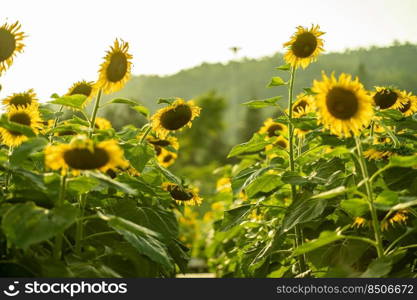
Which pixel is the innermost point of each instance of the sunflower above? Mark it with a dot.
(359, 222)
(174, 117)
(182, 195)
(388, 98)
(23, 116)
(115, 70)
(400, 217)
(280, 143)
(24, 99)
(83, 87)
(272, 129)
(409, 104)
(343, 105)
(10, 44)
(166, 158)
(375, 154)
(83, 154)
(224, 184)
(301, 107)
(169, 141)
(304, 47)
(102, 124)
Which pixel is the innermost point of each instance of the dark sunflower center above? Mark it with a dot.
(7, 44)
(273, 130)
(82, 89)
(385, 98)
(300, 106)
(179, 194)
(282, 144)
(177, 117)
(83, 159)
(20, 118)
(117, 68)
(168, 158)
(162, 143)
(341, 103)
(21, 100)
(406, 107)
(304, 45)
(66, 132)
(158, 150)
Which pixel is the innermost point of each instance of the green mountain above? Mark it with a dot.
(246, 79)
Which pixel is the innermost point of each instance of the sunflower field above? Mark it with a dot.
(327, 188)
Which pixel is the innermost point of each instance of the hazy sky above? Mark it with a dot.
(67, 39)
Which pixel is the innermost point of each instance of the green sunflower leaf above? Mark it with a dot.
(122, 101)
(27, 148)
(263, 103)
(143, 110)
(25, 223)
(235, 216)
(256, 143)
(147, 242)
(276, 81)
(73, 101)
(325, 238)
(285, 67)
(166, 100)
(403, 161)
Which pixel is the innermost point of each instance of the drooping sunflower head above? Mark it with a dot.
(174, 117)
(399, 218)
(304, 46)
(102, 124)
(409, 107)
(115, 71)
(187, 196)
(83, 87)
(24, 99)
(272, 129)
(10, 44)
(359, 222)
(388, 98)
(375, 154)
(383, 151)
(169, 141)
(343, 106)
(23, 116)
(82, 154)
(166, 158)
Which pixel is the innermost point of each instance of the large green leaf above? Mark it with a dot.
(276, 81)
(82, 184)
(139, 155)
(256, 143)
(265, 183)
(263, 103)
(302, 211)
(112, 183)
(325, 238)
(26, 149)
(235, 216)
(356, 207)
(145, 241)
(73, 101)
(378, 268)
(403, 161)
(26, 224)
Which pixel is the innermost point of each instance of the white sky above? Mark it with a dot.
(67, 39)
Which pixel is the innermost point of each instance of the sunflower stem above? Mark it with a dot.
(298, 231)
(369, 191)
(94, 114)
(148, 130)
(55, 123)
(59, 237)
(79, 226)
(9, 172)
